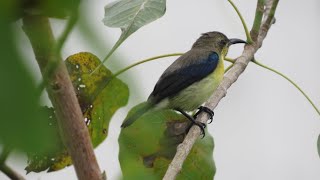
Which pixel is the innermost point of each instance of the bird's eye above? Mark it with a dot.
(222, 42)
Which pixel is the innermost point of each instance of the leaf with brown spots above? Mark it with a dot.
(99, 95)
(148, 146)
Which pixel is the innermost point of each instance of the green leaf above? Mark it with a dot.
(99, 95)
(130, 15)
(54, 156)
(148, 146)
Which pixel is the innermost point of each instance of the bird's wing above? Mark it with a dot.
(173, 82)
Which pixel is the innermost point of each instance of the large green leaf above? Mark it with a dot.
(99, 96)
(148, 146)
(130, 15)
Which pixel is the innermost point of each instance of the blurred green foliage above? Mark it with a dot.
(14, 9)
(21, 121)
(148, 146)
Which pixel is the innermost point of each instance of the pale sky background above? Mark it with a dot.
(264, 129)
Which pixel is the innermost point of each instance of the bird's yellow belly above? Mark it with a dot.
(196, 94)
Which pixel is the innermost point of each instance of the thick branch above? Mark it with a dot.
(61, 93)
(232, 75)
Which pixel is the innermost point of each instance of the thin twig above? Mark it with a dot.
(5, 168)
(291, 81)
(285, 77)
(232, 75)
(143, 61)
(10, 172)
(249, 39)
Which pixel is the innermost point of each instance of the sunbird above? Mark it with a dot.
(190, 80)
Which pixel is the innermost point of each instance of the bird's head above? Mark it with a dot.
(216, 41)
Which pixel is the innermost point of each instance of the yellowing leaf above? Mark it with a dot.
(99, 95)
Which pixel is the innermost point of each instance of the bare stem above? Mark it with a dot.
(231, 76)
(257, 20)
(291, 81)
(143, 61)
(5, 168)
(249, 40)
(73, 130)
(285, 77)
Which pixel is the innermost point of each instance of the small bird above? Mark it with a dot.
(190, 80)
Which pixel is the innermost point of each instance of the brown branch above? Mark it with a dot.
(71, 123)
(232, 75)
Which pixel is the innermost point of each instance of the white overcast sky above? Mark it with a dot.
(264, 129)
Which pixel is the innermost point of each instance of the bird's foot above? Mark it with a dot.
(206, 110)
(201, 125)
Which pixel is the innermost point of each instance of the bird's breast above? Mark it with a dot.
(197, 93)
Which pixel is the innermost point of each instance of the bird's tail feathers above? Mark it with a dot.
(132, 117)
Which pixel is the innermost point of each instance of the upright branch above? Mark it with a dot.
(231, 76)
(257, 20)
(73, 130)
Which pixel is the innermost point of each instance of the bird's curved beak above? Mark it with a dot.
(236, 41)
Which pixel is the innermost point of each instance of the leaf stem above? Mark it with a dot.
(70, 24)
(229, 60)
(292, 82)
(228, 68)
(249, 40)
(143, 61)
(284, 76)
